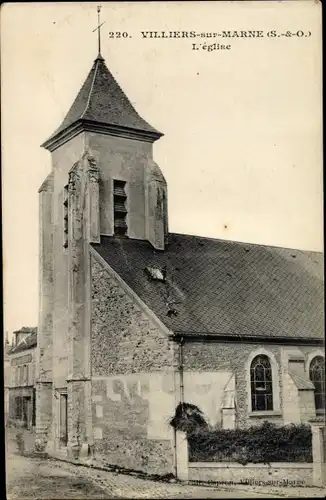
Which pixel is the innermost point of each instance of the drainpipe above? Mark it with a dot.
(181, 370)
(181, 399)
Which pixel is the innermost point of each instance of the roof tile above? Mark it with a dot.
(28, 343)
(224, 287)
(102, 100)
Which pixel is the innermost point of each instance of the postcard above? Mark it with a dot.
(163, 249)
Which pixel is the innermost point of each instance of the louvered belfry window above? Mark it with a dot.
(120, 210)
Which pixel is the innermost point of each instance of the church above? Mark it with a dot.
(134, 319)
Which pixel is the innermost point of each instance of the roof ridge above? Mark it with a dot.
(239, 242)
(91, 89)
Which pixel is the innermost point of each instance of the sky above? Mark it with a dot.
(242, 144)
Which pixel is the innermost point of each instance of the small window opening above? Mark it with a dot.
(119, 207)
(65, 217)
(156, 274)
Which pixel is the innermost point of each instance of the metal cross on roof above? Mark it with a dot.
(98, 28)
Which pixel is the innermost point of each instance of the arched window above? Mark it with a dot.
(261, 384)
(317, 377)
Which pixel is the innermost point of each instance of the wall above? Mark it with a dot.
(130, 420)
(21, 392)
(20, 359)
(22, 384)
(230, 357)
(294, 474)
(291, 401)
(124, 159)
(222, 358)
(206, 390)
(63, 159)
(298, 390)
(130, 160)
(6, 380)
(44, 350)
(52, 366)
(132, 380)
(124, 339)
(307, 405)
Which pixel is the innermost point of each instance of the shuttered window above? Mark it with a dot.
(119, 208)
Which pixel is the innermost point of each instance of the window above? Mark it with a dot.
(65, 217)
(261, 384)
(317, 377)
(19, 376)
(18, 408)
(119, 208)
(25, 375)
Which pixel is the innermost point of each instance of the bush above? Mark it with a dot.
(264, 444)
(188, 418)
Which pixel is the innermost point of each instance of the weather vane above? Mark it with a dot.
(98, 28)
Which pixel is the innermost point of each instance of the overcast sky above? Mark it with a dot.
(242, 146)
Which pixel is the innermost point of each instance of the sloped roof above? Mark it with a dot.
(102, 100)
(301, 382)
(26, 329)
(224, 287)
(27, 343)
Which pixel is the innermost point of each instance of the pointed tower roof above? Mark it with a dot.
(102, 106)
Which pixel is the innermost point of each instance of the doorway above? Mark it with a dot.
(63, 419)
(26, 412)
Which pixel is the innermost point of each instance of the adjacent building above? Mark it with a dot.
(135, 319)
(6, 377)
(21, 359)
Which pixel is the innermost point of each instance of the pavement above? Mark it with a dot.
(31, 477)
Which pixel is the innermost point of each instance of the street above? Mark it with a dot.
(32, 477)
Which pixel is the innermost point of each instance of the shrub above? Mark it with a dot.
(264, 444)
(188, 418)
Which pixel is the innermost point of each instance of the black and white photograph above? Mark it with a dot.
(162, 208)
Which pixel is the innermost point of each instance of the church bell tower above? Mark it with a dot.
(103, 181)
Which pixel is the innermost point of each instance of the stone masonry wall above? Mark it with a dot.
(130, 419)
(132, 380)
(232, 357)
(63, 159)
(124, 340)
(123, 159)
